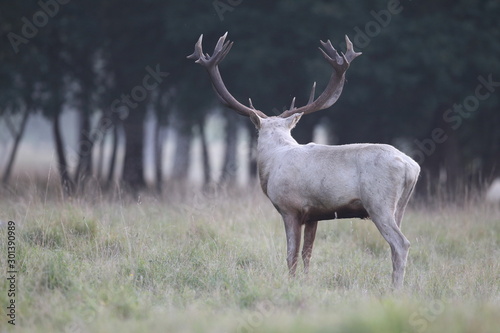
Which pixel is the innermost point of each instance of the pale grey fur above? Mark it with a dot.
(300, 179)
(308, 183)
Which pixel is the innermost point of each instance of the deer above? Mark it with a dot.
(314, 182)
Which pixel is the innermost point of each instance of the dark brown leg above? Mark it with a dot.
(309, 235)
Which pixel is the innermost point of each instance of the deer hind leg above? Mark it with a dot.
(309, 235)
(293, 232)
(403, 200)
(387, 226)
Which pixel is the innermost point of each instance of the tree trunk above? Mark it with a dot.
(158, 144)
(230, 166)
(161, 103)
(207, 172)
(252, 153)
(66, 181)
(442, 170)
(100, 158)
(491, 157)
(114, 150)
(133, 168)
(182, 155)
(85, 147)
(17, 139)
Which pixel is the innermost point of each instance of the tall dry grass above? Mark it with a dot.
(215, 262)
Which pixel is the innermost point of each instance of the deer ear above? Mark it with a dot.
(256, 120)
(293, 120)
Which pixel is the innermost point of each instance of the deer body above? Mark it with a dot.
(309, 183)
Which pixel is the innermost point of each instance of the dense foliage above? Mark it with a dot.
(428, 80)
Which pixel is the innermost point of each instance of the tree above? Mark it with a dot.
(17, 134)
(118, 58)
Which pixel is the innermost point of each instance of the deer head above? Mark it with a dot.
(339, 62)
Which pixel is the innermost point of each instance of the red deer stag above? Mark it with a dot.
(313, 182)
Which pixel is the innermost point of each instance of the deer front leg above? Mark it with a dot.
(309, 235)
(293, 233)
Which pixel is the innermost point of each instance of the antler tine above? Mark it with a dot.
(221, 49)
(340, 64)
(250, 103)
(313, 91)
(350, 55)
(198, 51)
(220, 43)
(292, 106)
(211, 63)
(330, 54)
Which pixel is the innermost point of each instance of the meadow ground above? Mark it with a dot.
(216, 263)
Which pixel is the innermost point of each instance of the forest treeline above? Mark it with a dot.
(428, 81)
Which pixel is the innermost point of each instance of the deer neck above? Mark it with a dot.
(270, 145)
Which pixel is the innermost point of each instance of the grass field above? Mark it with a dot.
(217, 264)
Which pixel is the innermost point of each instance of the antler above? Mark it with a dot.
(331, 94)
(211, 65)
